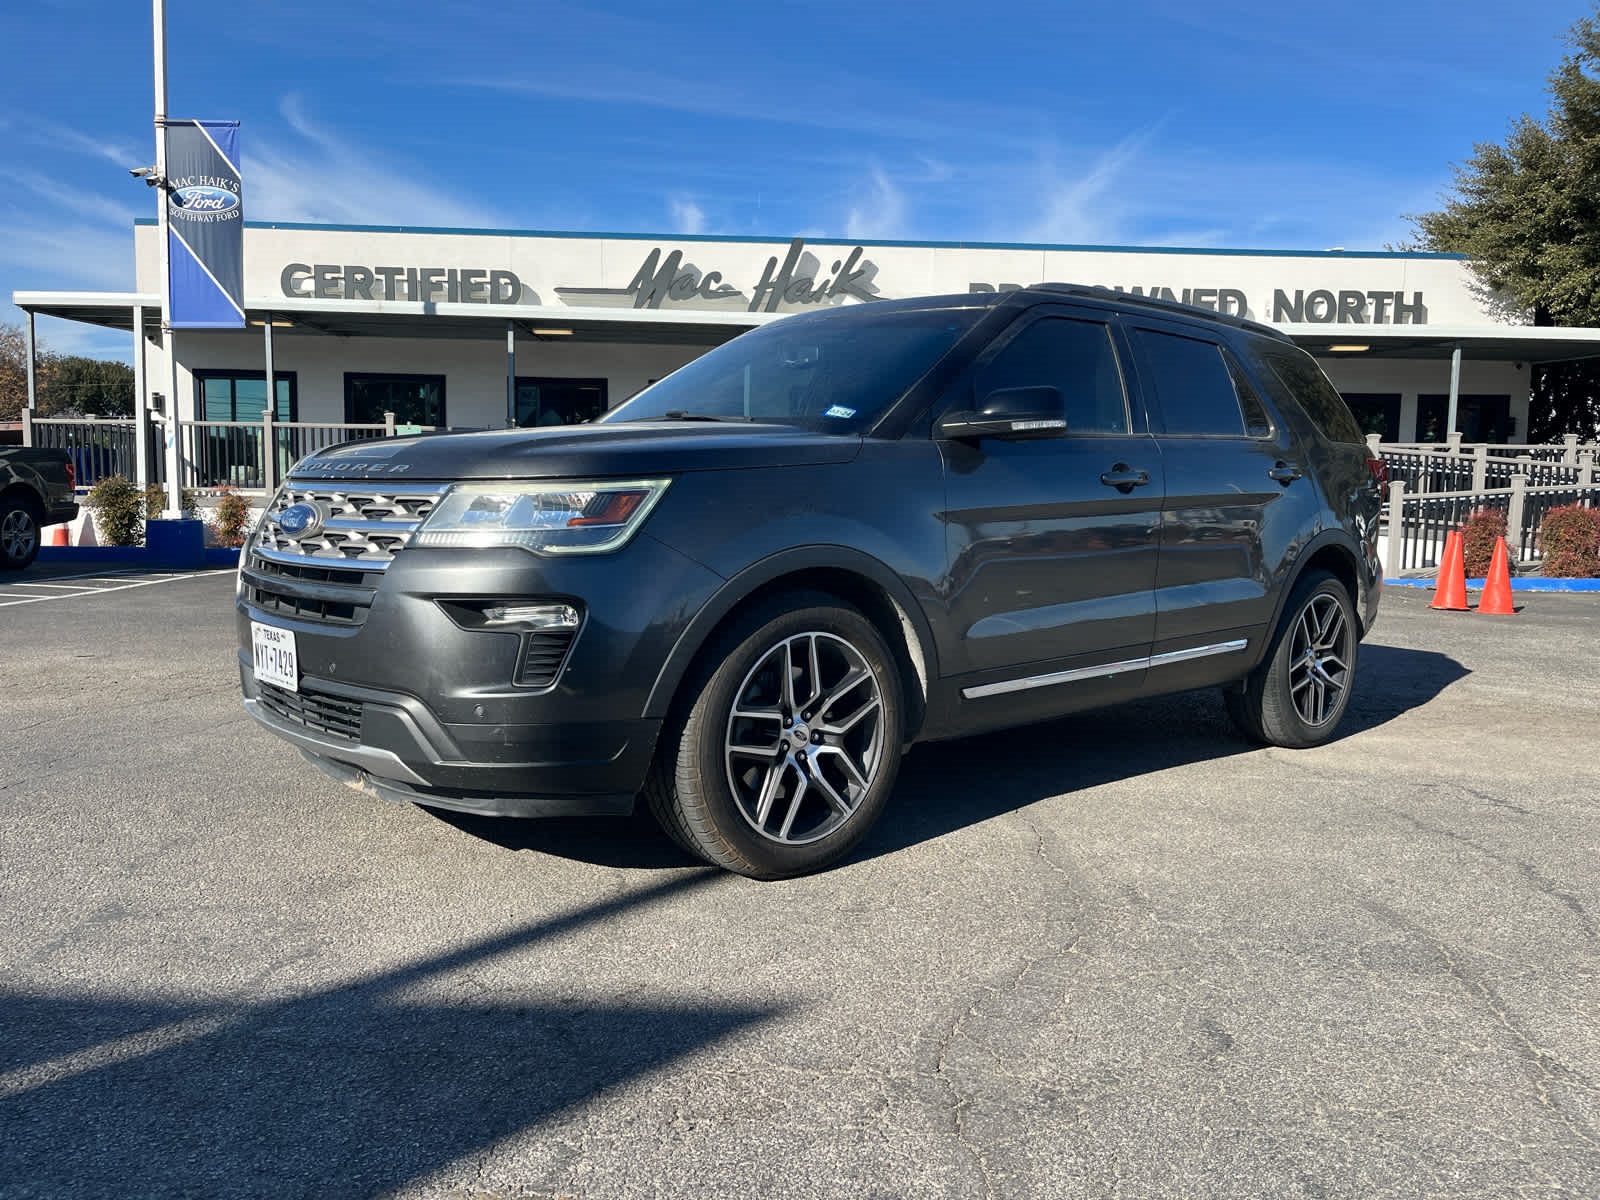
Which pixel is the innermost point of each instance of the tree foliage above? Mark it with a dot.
(89, 385)
(1526, 212)
(66, 385)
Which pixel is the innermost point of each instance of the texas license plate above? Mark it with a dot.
(276, 661)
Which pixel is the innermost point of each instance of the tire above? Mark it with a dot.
(1298, 695)
(19, 534)
(771, 783)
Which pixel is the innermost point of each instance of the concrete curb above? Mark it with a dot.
(137, 556)
(1531, 584)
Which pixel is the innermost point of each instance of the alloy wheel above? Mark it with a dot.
(1319, 671)
(18, 534)
(805, 738)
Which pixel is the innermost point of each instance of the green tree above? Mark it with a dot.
(88, 385)
(14, 371)
(1526, 212)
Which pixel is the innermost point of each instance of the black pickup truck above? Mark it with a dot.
(35, 491)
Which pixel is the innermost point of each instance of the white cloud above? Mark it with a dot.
(881, 215)
(37, 131)
(687, 216)
(318, 176)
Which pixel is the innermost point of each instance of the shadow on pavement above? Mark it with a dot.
(945, 786)
(346, 1092)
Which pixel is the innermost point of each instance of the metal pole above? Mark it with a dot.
(141, 404)
(1455, 391)
(33, 382)
(269, 432)
(174, 485)
(511, 375)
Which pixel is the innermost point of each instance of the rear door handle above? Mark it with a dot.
(1285, 472)
(1124, 478)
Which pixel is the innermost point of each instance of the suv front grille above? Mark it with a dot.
(314, 710)
(309, 593)
(362, 526)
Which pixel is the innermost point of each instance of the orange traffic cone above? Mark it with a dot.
(1496, 599)
(1450, 592)
(58, 536)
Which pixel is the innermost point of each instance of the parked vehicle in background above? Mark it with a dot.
(743, 593)
(36, 490)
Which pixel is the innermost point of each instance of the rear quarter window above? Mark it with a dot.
(1309, 388)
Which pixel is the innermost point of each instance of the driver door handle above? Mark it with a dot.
(1285, 472)
(1124, 478)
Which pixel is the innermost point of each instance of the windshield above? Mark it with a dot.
(833, 373)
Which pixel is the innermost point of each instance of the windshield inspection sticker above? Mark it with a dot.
(839, 410)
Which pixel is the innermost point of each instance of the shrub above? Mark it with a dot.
(232, 518)
(1569, 538)
(115, 501)
(155, 501)
(1478, 535)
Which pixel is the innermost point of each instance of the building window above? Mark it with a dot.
(413, 399)
(1376, 412)
(1479, 418)
(242, 395)
(221, 454)
(559, 401)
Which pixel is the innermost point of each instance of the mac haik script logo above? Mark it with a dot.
(802, 280)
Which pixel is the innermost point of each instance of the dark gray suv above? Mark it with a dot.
(742, 594)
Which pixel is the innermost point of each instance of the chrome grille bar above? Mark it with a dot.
(364, 524)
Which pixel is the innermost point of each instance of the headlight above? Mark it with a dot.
(555, 518)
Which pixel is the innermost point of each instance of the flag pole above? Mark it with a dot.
(174, 509)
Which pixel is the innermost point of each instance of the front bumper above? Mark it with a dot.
(399, 699)
(405, 753)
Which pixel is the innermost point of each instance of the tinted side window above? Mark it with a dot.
(1311, 389)
(1074, 356)
(1191, 383)
(1256, 421)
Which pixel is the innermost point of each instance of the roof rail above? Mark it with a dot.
(1129, 299)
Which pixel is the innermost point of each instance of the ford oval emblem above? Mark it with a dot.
(205, 199)
(299, 521)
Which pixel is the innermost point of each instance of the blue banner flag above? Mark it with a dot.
(205, 213)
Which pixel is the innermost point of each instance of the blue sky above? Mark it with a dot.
(1232, 124)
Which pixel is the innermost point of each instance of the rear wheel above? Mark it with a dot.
(19, 534)
(786, 745)
(1298, 696)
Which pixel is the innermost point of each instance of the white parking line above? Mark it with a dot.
(119, 585)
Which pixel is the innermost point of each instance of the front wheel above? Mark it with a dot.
(1297, 697)
(19, 534)
(785, 749)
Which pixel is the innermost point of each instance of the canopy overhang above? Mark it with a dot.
(293, 317)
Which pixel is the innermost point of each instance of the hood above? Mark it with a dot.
(623, 450)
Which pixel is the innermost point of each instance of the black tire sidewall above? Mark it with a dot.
(709, 716)
(1281, 722)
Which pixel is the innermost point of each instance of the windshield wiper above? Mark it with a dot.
(677, 414)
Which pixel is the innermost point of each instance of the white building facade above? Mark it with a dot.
(484, 328)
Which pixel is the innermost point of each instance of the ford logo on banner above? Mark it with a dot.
(205, 199)
(299, 521)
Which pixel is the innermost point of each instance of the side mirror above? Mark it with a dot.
(1012, 414)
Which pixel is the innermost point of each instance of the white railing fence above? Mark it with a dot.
(252, 456)
(1436, 487)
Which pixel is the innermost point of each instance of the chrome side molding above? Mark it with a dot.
(1104, 671)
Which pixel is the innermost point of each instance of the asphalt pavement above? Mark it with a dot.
(1124, 954)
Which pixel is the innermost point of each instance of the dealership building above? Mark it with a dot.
(466, 328)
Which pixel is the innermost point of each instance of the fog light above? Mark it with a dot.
(531, 616)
